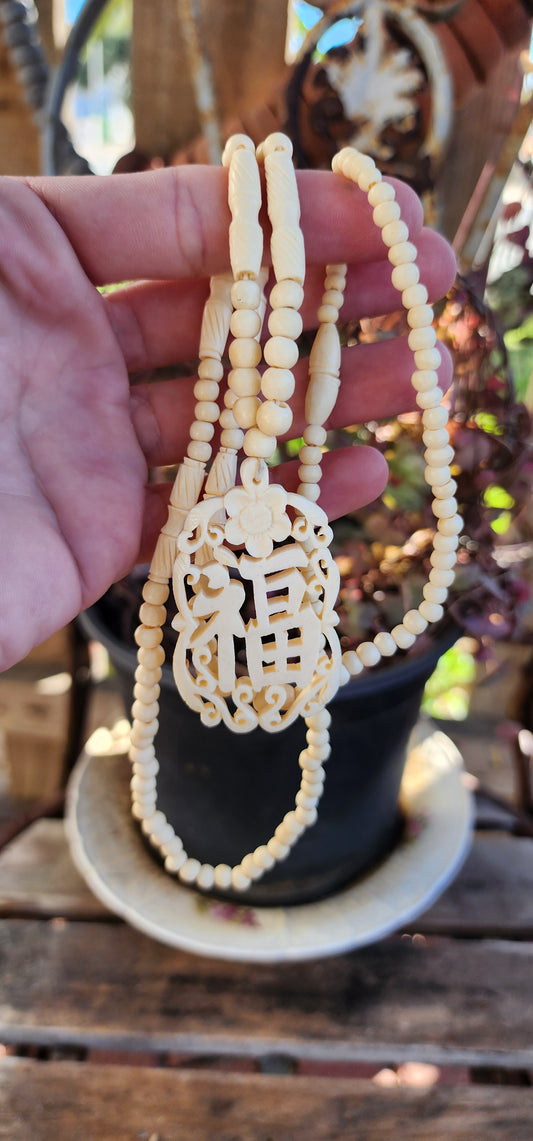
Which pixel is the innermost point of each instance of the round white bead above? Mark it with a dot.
(227, 419)
(143, 712)
(278, 850)
(249, 868)
(423, 338)
(245, 323)
(281, 352)
(445, 542)
(352, 663)
(438, 457)
(442, 576)
(223, 876)
(306, 816)
(304, 801)
(207, 410)
(445, 490)
(206, 390)
(310, 764)
(388, 211)
(232, 438)
(435, 417)
(368, 654)
(436, 437)
(245, 353)
(319, 752)
(310, 473)
(276, 141)
(286, 294)
(428, 358)
(443, 560)
(211, 370)
(311, 491)
(335, 281)
(189, 870)
(368, 178)
(434, 593)
(413, 622)
(174, 863)
(435, 476)
(402, 636)
(431, 610)
(230, 398)
(285, 322)
(274, 419)
(445, 508)
(418, 317)
(451, 526)
(239, 880)
(327, 314)
(315, 435)
(394, 233)
(381, 192)
(262, 858)
(245, 294)
(317, 736)
(206, 877)
(310, 455)
(256, 444)
(430, 399)
(423, 380)
(277, 384)
(402, 253)
(172, 846)
(201, 430)
(403, 276)
(318, 721)
(245, 410)
(385, 644)
(245, 381)
(414, 296)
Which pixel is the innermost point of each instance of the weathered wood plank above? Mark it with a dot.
(106, 985)
(38, 877)
(60, 1100)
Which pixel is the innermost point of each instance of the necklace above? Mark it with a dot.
(250, 562)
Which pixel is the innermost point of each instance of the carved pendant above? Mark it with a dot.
(255, 586)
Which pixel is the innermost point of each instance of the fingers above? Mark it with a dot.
(352, 477)
(376, 383)
(174, 223)
(158, 323)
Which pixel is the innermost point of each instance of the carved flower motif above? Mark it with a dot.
(256, 512)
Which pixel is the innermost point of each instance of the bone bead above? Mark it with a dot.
(310, 473)
(424, 379)
(380, 192)
(201, 430)
(368, 178)
(143, 712)
(317, 736)
(262, 858)
(394, 233)
(244, 353)
(430, 399)
(211, 370)
(146, 693)
(315, 435)
(206, 390)
(427, 358)
(274, 419)
(227, 419)
(435, 417)
(443, 560)
(423, 338)
(436, 437)
(245, 323)
(311, 491)
(155, 592)
(223, 875)
(281, 352)
(320, 720)
(207, 410)
(413, 622)
(232, 439)
(352, 663)
(189, 870)
(277, 384)
(403, 276)
(141, 734)
(239, 880)
(313, 787)
(437, 457)
(304, 801)
(404, 638)
(385, 644)
(245, 411)
(437, 594)
(286, 245)
(148, 638)
(245, 294)
(306, 816)
(147, 677)
(436, 475)
(142, 755)
(310, 764)
(368, 654)
(402, 253)
(310, 455)
(451, 526)
(327, 314)
(149, 768)
(388, 211)
(335, 281)
(414, 296)
(440, 576)
(432, 611)
(446, 490)
(151, 656)
(445, 542)
(278, 850)
(291, 824)
(256, 444)
(285, 322)
(249, 868)
(230, 399)
(286, 294)
(174, 863)
(172, 847)
(245, 381)
(418, 317)
(199, 450)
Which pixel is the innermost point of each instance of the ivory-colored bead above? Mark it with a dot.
(148, 677)
(245, 323)
(151, 823)
(413, 622)
(327, 314)
(353, 162)
(161, 831)
(172, 847)
(141, 734)
(230, 399)
(319, 752)
(223, 875)
(149, 768)
(423, 338)
(306, 816)
(147, 637)
(445, 542)
(310, 455)
(435, 417)
(446, 490)
(388, 211)
(278, 850)
(435, 476)
(428, 358)
(152, 615)
(431, 610)
(368, 178)
(245, 353)
(352, 663)
(443, 560)
(146, 693)
(245, 294)
(381, 192)
(430, 399)
(317, 737)
(385, 644)
(227, 418)
(144, 712)
(405, 275)
(313, 787)
(436, 594)
(311, 491)
(451, 526)
(436, 437)
(403, 637)
(210, 370)
(206, 877)
(320, 720)
(138, 811)
(281, 352)
(207, 410)
(151, 656)
(304, 801)
(286, 294)
(156, 592)
(424, 379)
(335, 281)
(262, 858)
(394, 233)
(368, 654)
(292, 824)
(414, 296)
(232, 438)
(277, 384)
(418, 317)
(276, 141)
(234, 143)
(142, 784)
(315, 435)
(239, 880)
(245, 411)
(333, 297)
(285, 322)
(310, 764)
(174, 863)
(445, 508)
(274, 419)
(245, 381)
(310, 473)
(189, 870)
(441, 576)
(249, 868)
(199, 450)
(402, 253)
(142, 754)
(202, 430)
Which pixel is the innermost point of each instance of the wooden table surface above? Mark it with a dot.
(427, 1035)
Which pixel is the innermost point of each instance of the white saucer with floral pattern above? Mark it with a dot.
(110, 854)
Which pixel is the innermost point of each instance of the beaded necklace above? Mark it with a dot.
(250, 562)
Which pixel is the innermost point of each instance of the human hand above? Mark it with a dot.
(76, 440)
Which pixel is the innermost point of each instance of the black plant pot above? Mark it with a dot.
(225, 793)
